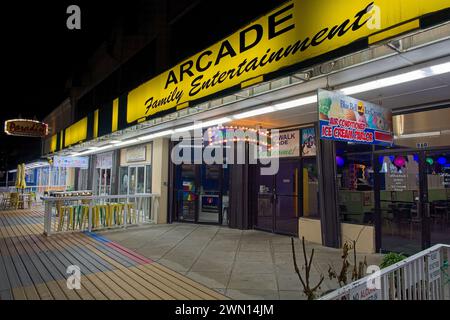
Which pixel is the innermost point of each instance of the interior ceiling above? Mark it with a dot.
(420, 92)
(426, 121)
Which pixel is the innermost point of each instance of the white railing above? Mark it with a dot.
(423, 276)
(39, 189)
(90, 213)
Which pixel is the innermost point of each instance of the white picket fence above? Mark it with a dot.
(423, 276)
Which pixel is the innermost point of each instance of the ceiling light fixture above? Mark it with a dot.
(399, 79)
(126, 143)
(296, 103)
(418, 135)
(253, 113)
(205, 124)
(156, 135)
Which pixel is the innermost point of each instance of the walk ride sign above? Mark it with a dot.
(344, 118)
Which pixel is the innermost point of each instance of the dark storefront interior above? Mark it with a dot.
(403, 191)
(274, 203)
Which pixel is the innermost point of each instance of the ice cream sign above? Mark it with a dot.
(343, 118)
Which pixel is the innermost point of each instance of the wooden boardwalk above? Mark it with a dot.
(33, 266)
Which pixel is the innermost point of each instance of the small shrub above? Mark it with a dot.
(391, 258)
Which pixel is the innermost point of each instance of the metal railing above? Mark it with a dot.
(90, 213)
(423, 276)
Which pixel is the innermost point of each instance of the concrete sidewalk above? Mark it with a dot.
(242, 264)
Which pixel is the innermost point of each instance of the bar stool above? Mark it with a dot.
(109, 215)
(116, 213)
(66, 213)
(131, 217)
(82, 216)
(99, 215)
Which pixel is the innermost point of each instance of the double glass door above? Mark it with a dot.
(104, 181)
(413, 192)
(201, 193)
(278, 202)
(135, 180)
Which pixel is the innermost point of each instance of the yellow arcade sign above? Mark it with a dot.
(293, 33)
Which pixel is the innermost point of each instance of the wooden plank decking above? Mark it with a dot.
(33, 266)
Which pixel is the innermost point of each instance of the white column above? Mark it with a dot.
(160, 177)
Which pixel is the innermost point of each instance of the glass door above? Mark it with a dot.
(132, 180)
(265, 202)
(399, 205)
(104, 186)
(186, 191)
(140, 180)
(210, 198)
(135, 180)
(437, 169)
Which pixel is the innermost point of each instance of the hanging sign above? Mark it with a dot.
(26, 128)
(104, 161)
(344, 118)
(137, 154)
(284, 144)
(71, 162)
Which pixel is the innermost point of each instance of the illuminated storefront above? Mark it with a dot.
(383, 183)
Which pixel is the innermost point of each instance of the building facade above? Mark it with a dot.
(263, 80)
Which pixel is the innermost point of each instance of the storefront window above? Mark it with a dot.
(44, 176)
(140, 180)
(55, 176)
(148, 178)
(62, 176)
(123, 180)
(82, 179)
(132, 180)
(355, 176)
(310, 188)
(399, 193)
(437, 167)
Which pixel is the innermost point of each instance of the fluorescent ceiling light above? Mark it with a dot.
(115, 141)
(418, 135)
(399, 79)
(125, 143)
(296, 103)
(253, 113)
(156, 135)
(385, 82)
(440, 68)
(205, 124)
(91, 150)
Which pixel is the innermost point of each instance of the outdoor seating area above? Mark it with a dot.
(108, 215)
(17, 200)
(81, 211)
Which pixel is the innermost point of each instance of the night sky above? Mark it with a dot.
(39, 55)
